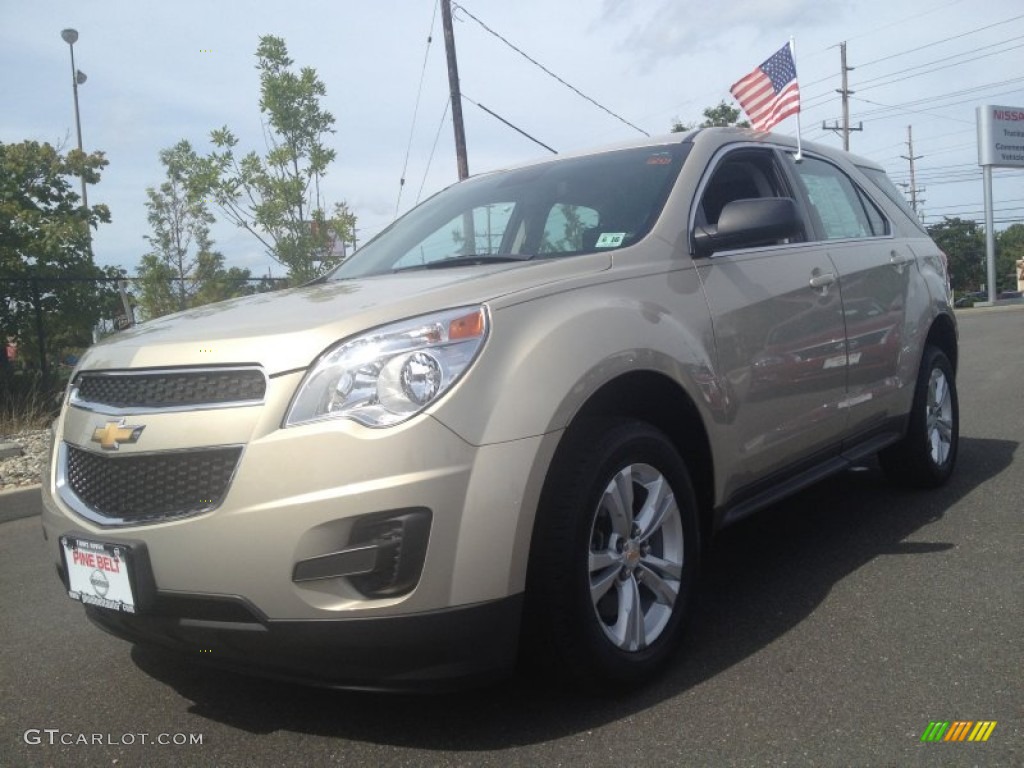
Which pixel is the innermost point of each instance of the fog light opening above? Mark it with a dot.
(401, 542)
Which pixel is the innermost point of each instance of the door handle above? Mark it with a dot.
(899, 261)
(821, 281)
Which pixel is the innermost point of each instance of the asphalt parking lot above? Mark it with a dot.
(830, 630)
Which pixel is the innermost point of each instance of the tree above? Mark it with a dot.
(182, 270)
(277, 197)
(721, 115)
(50, 284)
(963, 241)
(1010, 257)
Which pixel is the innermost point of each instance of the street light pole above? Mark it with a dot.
(70, 36)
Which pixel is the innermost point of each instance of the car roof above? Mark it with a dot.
(720, 135)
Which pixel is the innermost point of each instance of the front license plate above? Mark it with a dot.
(98, 574)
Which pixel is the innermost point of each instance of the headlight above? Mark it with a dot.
(390, 374)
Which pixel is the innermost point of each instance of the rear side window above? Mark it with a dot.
(841, 209)
(887, 188)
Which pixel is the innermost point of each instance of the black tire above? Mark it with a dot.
(925, 457)
(623, 635)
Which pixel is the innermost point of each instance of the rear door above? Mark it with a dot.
(875, 272)
(779, 328)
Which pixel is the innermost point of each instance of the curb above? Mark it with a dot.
(21, 502)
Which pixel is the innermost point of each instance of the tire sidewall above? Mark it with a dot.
(604, 453)
(932, 473)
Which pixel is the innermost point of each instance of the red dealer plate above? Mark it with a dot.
(98, 574)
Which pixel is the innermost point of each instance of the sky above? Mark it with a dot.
(162, 72)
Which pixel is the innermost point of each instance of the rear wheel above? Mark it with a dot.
(926, 456)
(614, 555)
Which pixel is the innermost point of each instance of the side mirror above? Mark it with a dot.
(748, 223)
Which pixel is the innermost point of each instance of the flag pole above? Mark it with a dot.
(799, 149)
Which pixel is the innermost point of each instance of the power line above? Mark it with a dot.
(919, 48)
(430, 159)
(872, 83)
(972, 91)
(815, 100)
(510, 125)
(536, 63)
(1011, 200)
(938, 42)
(416, 109)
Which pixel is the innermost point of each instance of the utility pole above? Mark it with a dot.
(70, 36)
(453, 86)
(845, 93)
(913, 178)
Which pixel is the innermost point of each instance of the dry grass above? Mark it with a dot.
(26, 402)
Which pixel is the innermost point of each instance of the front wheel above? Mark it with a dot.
(614, 555)
(926, 456)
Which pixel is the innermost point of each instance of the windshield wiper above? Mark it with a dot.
(469, 259)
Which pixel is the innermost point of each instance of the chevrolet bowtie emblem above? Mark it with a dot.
(114, 433)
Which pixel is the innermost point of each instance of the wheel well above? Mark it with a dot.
(942, 334)
(657, 400)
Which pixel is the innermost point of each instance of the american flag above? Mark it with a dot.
(770, 93)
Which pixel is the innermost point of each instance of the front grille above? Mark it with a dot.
(169, 389)
(150, 487)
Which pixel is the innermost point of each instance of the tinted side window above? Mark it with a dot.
(889, 189)
(879, 224)
(741, 175)
(834, 199)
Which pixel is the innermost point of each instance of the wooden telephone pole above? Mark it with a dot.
(914, 202)
(845, 92)
(453, 86)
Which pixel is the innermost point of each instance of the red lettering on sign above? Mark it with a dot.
(105, 563)
(84, 558)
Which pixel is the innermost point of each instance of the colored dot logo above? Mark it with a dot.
(206, 50)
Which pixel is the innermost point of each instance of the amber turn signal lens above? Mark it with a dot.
(469, 326)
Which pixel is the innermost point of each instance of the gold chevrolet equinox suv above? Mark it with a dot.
(516, 413)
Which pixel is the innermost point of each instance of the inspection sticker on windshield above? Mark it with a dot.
(98, 574)
(610, 239)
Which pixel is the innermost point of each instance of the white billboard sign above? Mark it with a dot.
(1001, 136)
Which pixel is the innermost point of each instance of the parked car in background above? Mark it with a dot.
(968, 299)
(521, 411)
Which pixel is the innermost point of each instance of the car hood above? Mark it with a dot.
(287, 330)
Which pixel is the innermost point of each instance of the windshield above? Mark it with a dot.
(560, 208)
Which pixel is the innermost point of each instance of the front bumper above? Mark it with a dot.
(299, 494)
(441, 650)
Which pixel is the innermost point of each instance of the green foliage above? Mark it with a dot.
(1009, 251)
(46, 263)
(182, 270)
(721, 115)
(963, 241)
(277, 197)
